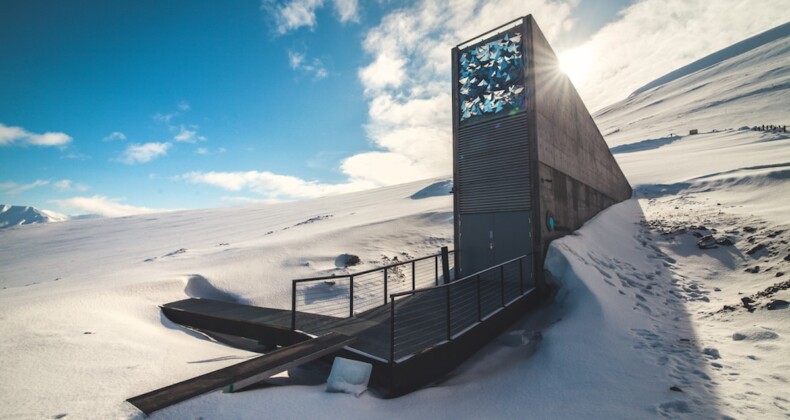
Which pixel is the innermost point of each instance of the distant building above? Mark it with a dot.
(693, 132)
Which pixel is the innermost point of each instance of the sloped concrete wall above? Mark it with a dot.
(578, 175)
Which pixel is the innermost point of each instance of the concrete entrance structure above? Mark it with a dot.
(530, 166)
(529, 162)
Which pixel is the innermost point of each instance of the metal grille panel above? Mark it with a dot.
(493, 167)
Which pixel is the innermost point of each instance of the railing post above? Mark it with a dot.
(449, 326)
(413, 274)
(293, 305)
(445, 265)
(392, 329)
(479, 307)
(385, 285)
(502, 282)
(436, 268)
(351, 301)
(521, 274)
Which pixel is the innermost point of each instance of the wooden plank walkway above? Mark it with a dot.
(272, 326)
(242, 374)
(266, 325)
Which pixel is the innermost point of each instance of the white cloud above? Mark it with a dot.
(654, 37)
(68, 185)
(10, 135)
(187, 134)
(142, 153)
(62, 185)
(408, 87)
(103, 206)
(76, 155)
(164, 118)
(271, 185)
(384, 72)
(115, 135)
(313, 67)
(12, 188)
(291, 15)
(408, 81)
(347, 10)
(201, 151)
(294, 14)
(295, 59)
(182, 106)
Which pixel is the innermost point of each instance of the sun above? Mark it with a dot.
(576, 63)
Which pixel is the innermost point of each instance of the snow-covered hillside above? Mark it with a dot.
(646, 322)
(715, 212)
(22, 215)
(745, 85)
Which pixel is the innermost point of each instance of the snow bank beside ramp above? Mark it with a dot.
(623, 320)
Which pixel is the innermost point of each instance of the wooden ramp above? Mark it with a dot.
(273, 326)
(268, 325)
(243, 374)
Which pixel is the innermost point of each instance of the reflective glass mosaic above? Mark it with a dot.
(491, 77)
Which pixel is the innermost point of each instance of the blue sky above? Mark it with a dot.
(126, 107)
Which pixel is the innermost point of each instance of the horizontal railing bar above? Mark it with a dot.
(372, 270)
(419, 323)
(418, 342)
(411, 292)
(424, 334)
(413, 344)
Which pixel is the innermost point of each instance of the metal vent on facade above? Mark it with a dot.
(493, 166)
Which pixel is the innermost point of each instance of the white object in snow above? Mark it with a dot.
(349, 376)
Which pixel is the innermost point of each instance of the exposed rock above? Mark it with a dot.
(747, 303)
(769, 291)
(675, 388)
(780, 274)
(749, 229)
(707, 242)
(346, 260)
(787, 258)
(777, 304)
(725, 241)
(753, 270)
(755, 249)
(712, 352)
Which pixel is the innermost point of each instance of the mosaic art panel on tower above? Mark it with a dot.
(491, 78)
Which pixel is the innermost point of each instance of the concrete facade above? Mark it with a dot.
(561, 164)
(578, 175)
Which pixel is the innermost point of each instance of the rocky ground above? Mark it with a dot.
(732, 271)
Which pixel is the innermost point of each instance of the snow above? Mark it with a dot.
(645, 323)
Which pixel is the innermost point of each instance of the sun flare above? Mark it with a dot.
(576, 63)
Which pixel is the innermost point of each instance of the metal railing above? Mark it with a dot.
(423, 318)
(346, 295)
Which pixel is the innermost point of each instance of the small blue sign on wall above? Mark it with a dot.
(550, 222)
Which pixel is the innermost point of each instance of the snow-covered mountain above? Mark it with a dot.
(23, 215)
(646, 323)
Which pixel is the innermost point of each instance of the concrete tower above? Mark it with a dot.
(529, 162)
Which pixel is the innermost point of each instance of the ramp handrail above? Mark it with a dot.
(333, 295)
(423, 318)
